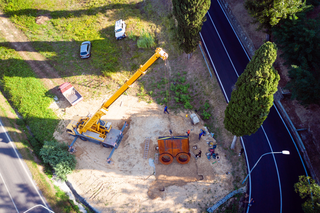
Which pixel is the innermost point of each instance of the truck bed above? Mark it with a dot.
(70, 93)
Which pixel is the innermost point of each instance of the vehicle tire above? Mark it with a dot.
(166, 159)
(106, 145)
(83, 138)
(183, 158)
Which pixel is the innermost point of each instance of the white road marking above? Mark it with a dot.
(275, 163)
(20, 160)
(5, 185)
(235, 70)
(233, 30)
(215, 70)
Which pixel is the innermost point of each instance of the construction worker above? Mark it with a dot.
(166, 110)
(188, 132)
(198, 155)
(202, 132)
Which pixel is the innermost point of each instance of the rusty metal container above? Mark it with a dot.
(173, 147)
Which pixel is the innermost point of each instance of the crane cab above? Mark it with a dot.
(73, 124)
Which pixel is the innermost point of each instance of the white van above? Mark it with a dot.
(120, 29)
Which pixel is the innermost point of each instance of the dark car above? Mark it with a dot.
(85, 49)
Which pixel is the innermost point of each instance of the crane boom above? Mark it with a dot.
(93, 122)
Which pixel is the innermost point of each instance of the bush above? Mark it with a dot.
(308, 190)
(56, 155)
(145, 40)
(206, 105)
(187, 105)
(205, 115)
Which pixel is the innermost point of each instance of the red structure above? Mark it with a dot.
(174, 147)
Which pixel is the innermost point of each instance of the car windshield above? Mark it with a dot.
(84, 49)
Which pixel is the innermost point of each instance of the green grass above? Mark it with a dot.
(28, 95)
(70, 23)
(62, 197)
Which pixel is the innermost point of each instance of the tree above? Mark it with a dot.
(269, 12)
(253, 95)
(304, 86)
(305, 187)
(299, 41)
(190, 15)
(56, 155)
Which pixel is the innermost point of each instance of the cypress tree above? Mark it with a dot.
(190, 15)
(253, 97)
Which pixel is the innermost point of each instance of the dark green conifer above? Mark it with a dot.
(190, 15)
(253, 96)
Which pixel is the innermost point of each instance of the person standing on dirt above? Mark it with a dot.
(199, 154)
(200, 135)
(188, 132)
(166, 110)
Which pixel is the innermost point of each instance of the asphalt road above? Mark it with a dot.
(271, 183)
(17, 190)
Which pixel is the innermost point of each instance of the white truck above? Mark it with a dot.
(120, 29)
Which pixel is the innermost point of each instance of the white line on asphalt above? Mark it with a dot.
(275, 163)
(11, 143)
(215, 70)
(9, 193)
(235, 70)
(291, 139)
(245, 152)
(233, 30)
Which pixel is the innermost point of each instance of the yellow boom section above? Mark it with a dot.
(159, 53)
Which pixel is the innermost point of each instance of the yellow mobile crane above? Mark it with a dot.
(92, 128)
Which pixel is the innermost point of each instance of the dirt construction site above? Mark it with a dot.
(131, 183)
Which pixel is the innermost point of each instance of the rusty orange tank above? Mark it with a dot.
(170, 147)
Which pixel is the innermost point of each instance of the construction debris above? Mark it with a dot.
(194, 119)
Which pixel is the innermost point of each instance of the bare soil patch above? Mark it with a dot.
(43, 18)
(128, 184)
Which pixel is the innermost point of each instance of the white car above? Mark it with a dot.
(85, 49)
(120, 29)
